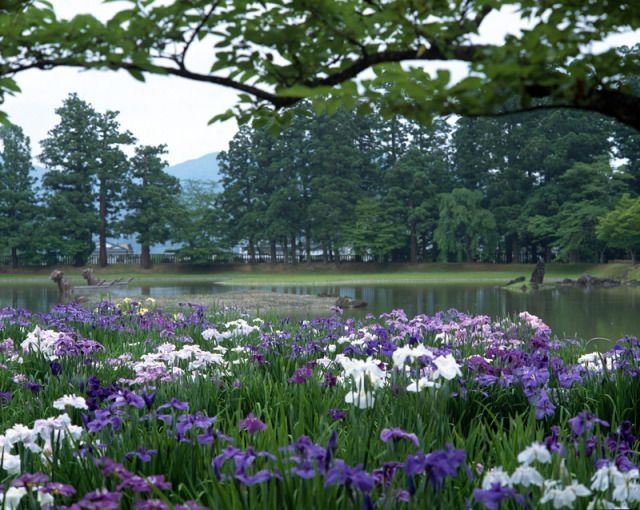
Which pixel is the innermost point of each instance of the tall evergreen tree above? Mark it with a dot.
(18, 202)
(238, 200)
(337, 171)
(152, 199)
(111, 175)
(71, 153)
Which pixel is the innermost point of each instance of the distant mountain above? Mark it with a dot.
(204, 168)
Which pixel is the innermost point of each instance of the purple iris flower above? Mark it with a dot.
(56, 368)
(343, 474)
(101, 498)
(584, 421)
(252, 424)
(143, 454)
(34, 387)
(175, 404)
(544, 406)
(228, 453)
(493, 497)
(438, 465)
(396, 434)
(336, 414)
(58, 489)
(301, 375)
(28, 480)
(260, 476)
(623, 440)
(384, 475)
(104, 418)
(552, 443)
(149, 399)
(5, 395)
(624, 464)
(127, 398)
(330, 380)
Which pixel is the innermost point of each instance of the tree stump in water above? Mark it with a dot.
(64, 287)
(91, 278)
(538, 274)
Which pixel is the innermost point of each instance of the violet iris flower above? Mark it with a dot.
(252, 424)
(336, 414)
(493, 497)
(143, 454)
(301, 375)
(438, 465)
(58, 489)
(396, 434)
(584, 421)
(343, 474)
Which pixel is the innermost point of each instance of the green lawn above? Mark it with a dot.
(265, 274)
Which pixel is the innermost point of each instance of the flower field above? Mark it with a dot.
(127, 406)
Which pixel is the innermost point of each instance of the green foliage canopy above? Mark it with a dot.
(152, 199)
(279, 52)
(465, 230)
(620, 227)
(18, 203)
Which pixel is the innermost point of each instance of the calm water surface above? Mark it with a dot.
(573, 312)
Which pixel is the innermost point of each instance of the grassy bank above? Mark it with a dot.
(318, 274)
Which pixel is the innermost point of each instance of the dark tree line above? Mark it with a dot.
(504, 189)
(557, 184)
(90, 189)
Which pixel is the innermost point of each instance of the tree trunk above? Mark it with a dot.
(294, 250)
(102, 229)
(307, 246)
(252, 252)
(548, 255)
(14, 257)
(285, 249)
(468, 254)
(273, 251)
(516, 251)
(413, 244)
(145, 256)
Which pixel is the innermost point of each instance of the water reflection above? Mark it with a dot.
(587, 314)
(570, 311)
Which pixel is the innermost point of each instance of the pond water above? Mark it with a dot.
(605, 314)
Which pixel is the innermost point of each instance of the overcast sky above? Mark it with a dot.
(165, 110)
(162, 110)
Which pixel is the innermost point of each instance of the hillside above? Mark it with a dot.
(204, 168)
